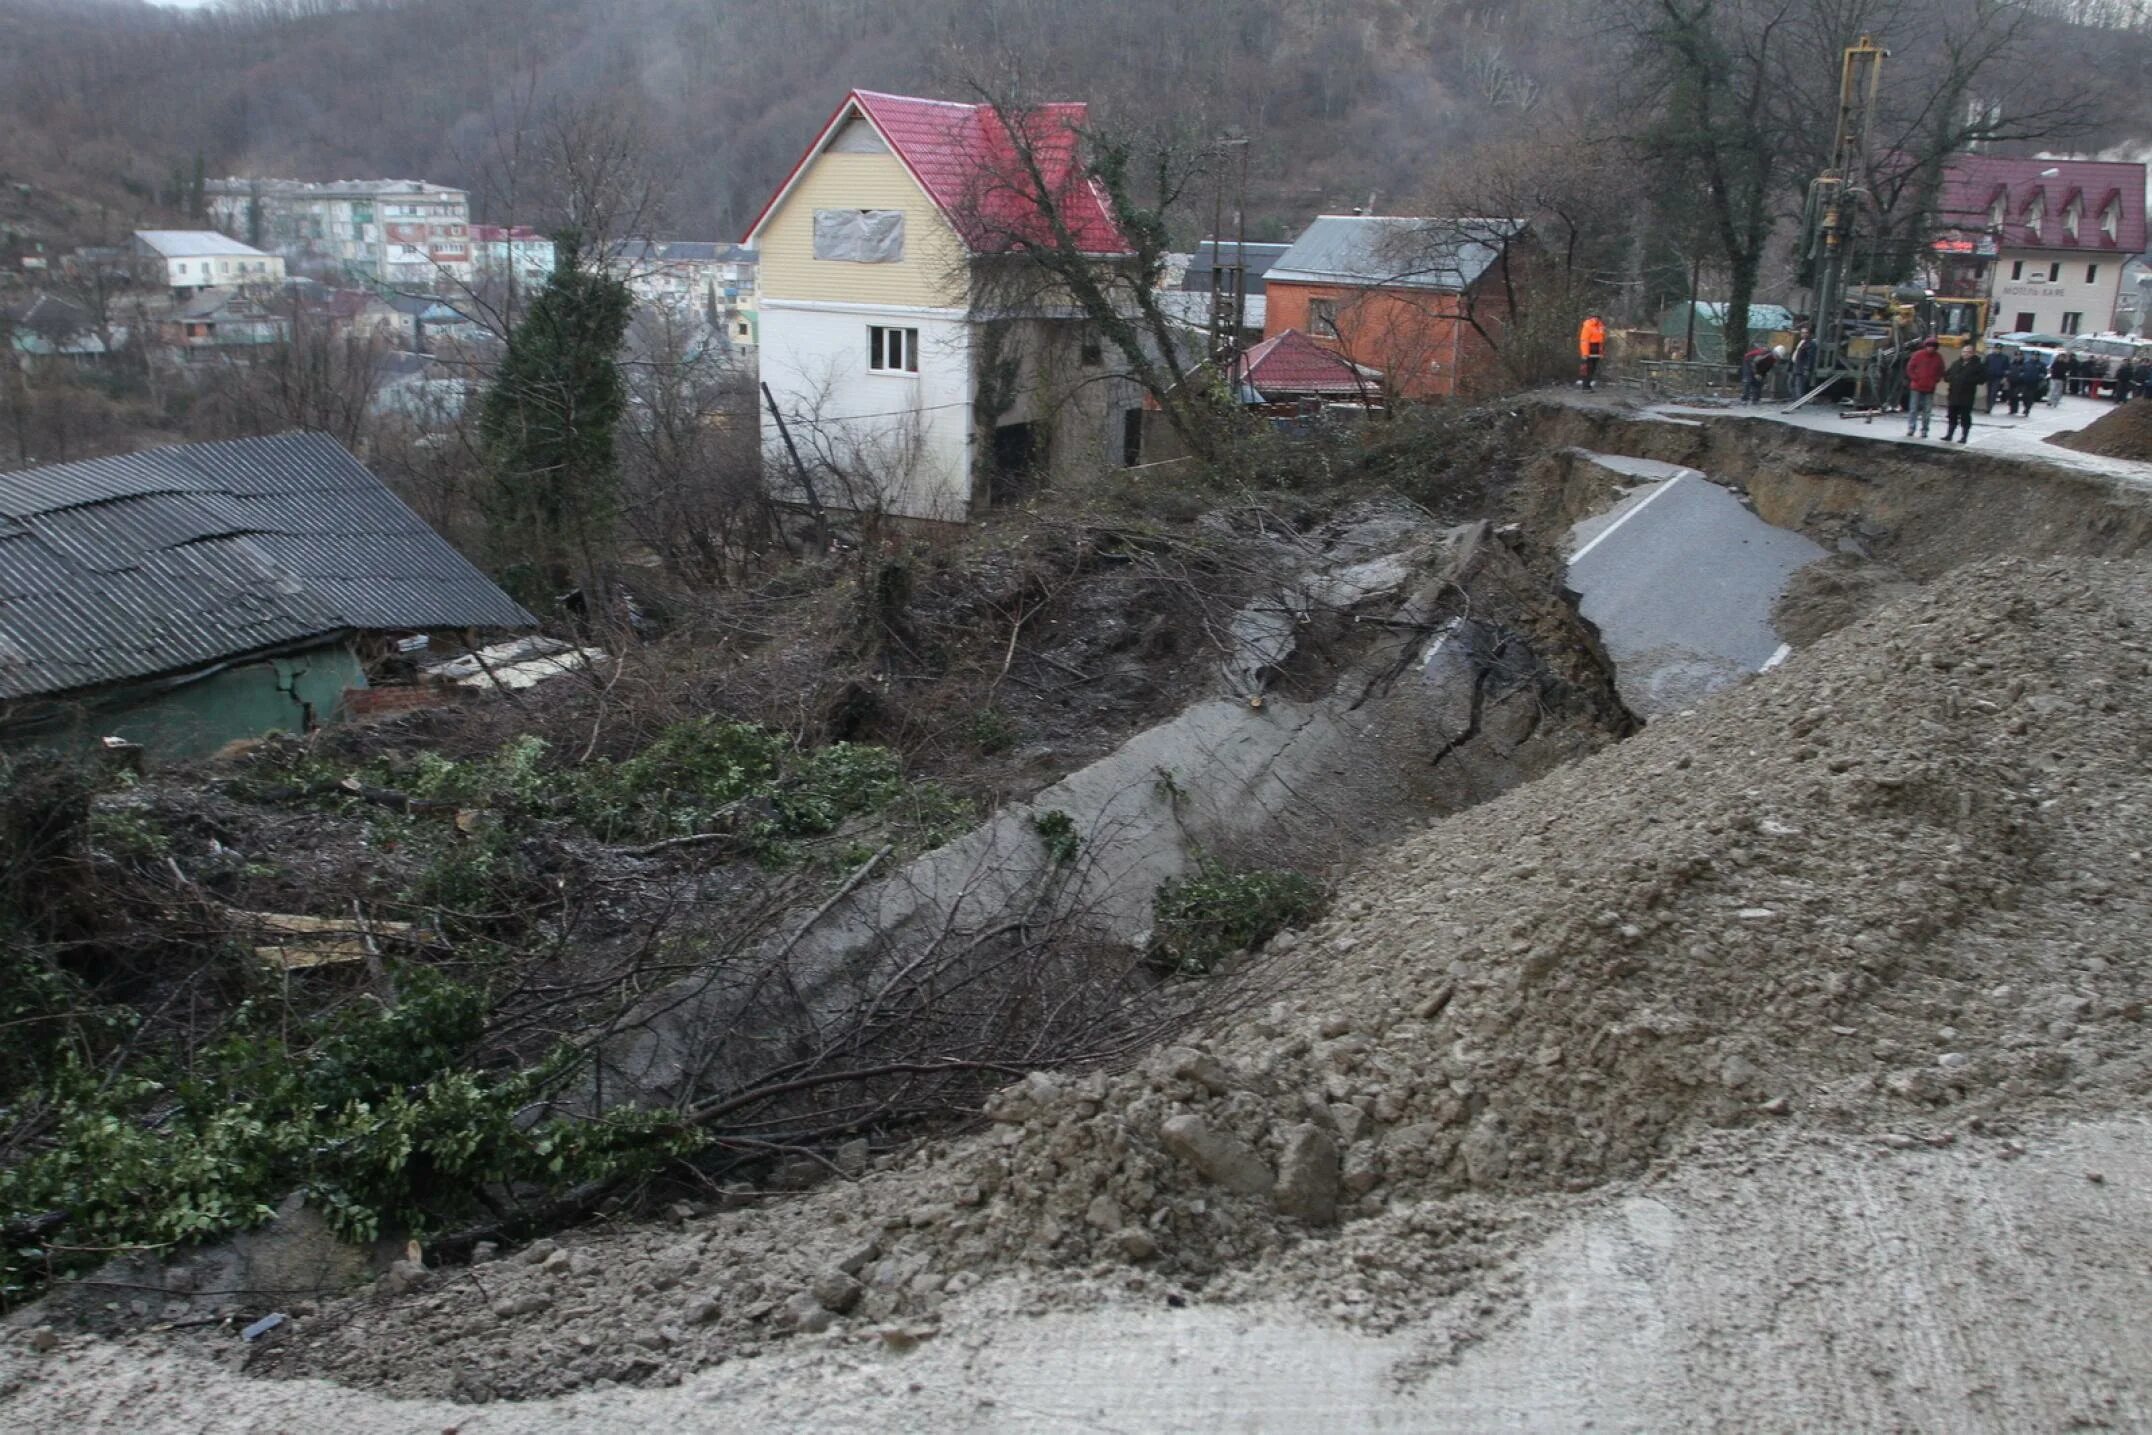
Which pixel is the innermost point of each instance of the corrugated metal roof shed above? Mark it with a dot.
(1388, 252)
(169, 559)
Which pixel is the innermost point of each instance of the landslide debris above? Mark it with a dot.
(2124, 433)
(1895, 889)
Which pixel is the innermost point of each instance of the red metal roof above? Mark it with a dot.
(969, 161)
(1292, 363)
(1972, 184)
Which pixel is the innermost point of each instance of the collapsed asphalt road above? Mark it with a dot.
(1680, 578)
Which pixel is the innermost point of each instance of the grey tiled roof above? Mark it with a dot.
(1388, 252)
(173, 558)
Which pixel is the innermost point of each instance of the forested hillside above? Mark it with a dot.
(1343, 99)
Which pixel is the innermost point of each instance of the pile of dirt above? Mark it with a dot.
(1833, 592)
(1894, 890)
(2124, 433)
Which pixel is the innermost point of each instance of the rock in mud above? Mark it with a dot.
(804, 1313)
(1307, 1185)
(1219, 1155)
(1485, 1151)
(836, 1291)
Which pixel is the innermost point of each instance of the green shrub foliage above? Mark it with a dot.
(1201, 919)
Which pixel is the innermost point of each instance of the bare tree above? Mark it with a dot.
(1741, 104)
(691, 468)
(1037, 250)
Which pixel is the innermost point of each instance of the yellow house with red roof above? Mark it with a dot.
(894, 379)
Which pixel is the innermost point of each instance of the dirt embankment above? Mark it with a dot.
(1897, 888)
(2125, 433)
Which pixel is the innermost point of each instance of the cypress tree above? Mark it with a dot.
(547, 426)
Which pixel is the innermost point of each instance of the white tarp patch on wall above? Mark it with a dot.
(861, 236)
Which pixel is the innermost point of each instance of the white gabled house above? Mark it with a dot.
(904, 385)
(187, 261)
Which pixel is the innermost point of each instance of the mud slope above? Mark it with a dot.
(1894, 889)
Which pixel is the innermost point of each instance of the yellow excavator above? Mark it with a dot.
(1907, 314)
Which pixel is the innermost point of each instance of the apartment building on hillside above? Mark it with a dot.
(398, 233)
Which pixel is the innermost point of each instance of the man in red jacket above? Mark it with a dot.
(1923, 372)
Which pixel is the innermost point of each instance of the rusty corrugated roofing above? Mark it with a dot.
(169, 559)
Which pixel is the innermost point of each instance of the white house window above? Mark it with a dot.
(2017, 269)
(2073, 322)
(2092, 273)
(892, 351)
(2054, 272)
(1323, 317)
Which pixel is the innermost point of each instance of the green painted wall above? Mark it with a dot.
(194, 719)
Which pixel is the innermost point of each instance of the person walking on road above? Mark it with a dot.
(2059, 378)
(1964, 379)
(2129, 377)
(1998, 371)
(1923, 373)
(1591, 348)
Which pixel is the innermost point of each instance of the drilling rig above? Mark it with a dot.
(1833, 213)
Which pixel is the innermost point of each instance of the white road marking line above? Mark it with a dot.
(1785, 651)
(1608, 532)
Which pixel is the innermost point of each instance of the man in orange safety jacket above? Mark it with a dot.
(1591, 348)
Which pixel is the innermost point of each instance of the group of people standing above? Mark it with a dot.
(1960, 383)
(2083, 374)
(2018, 383)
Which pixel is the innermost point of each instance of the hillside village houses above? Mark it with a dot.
(186, 261)
(2046, 239)
(402, 232)
(894, 385)
(716, 280)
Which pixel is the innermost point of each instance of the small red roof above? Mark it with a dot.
(1973, 183)
(969, 161)
(1292, 363)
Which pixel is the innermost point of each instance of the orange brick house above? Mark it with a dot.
(1412, 298)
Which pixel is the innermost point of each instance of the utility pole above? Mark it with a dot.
(1240, 243)
(1217, 309)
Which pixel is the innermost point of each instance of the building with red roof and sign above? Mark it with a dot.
(2046, 239)
(899, 375)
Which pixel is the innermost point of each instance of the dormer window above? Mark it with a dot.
(2071, 213)
(2111, 218)
(2036, 212)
